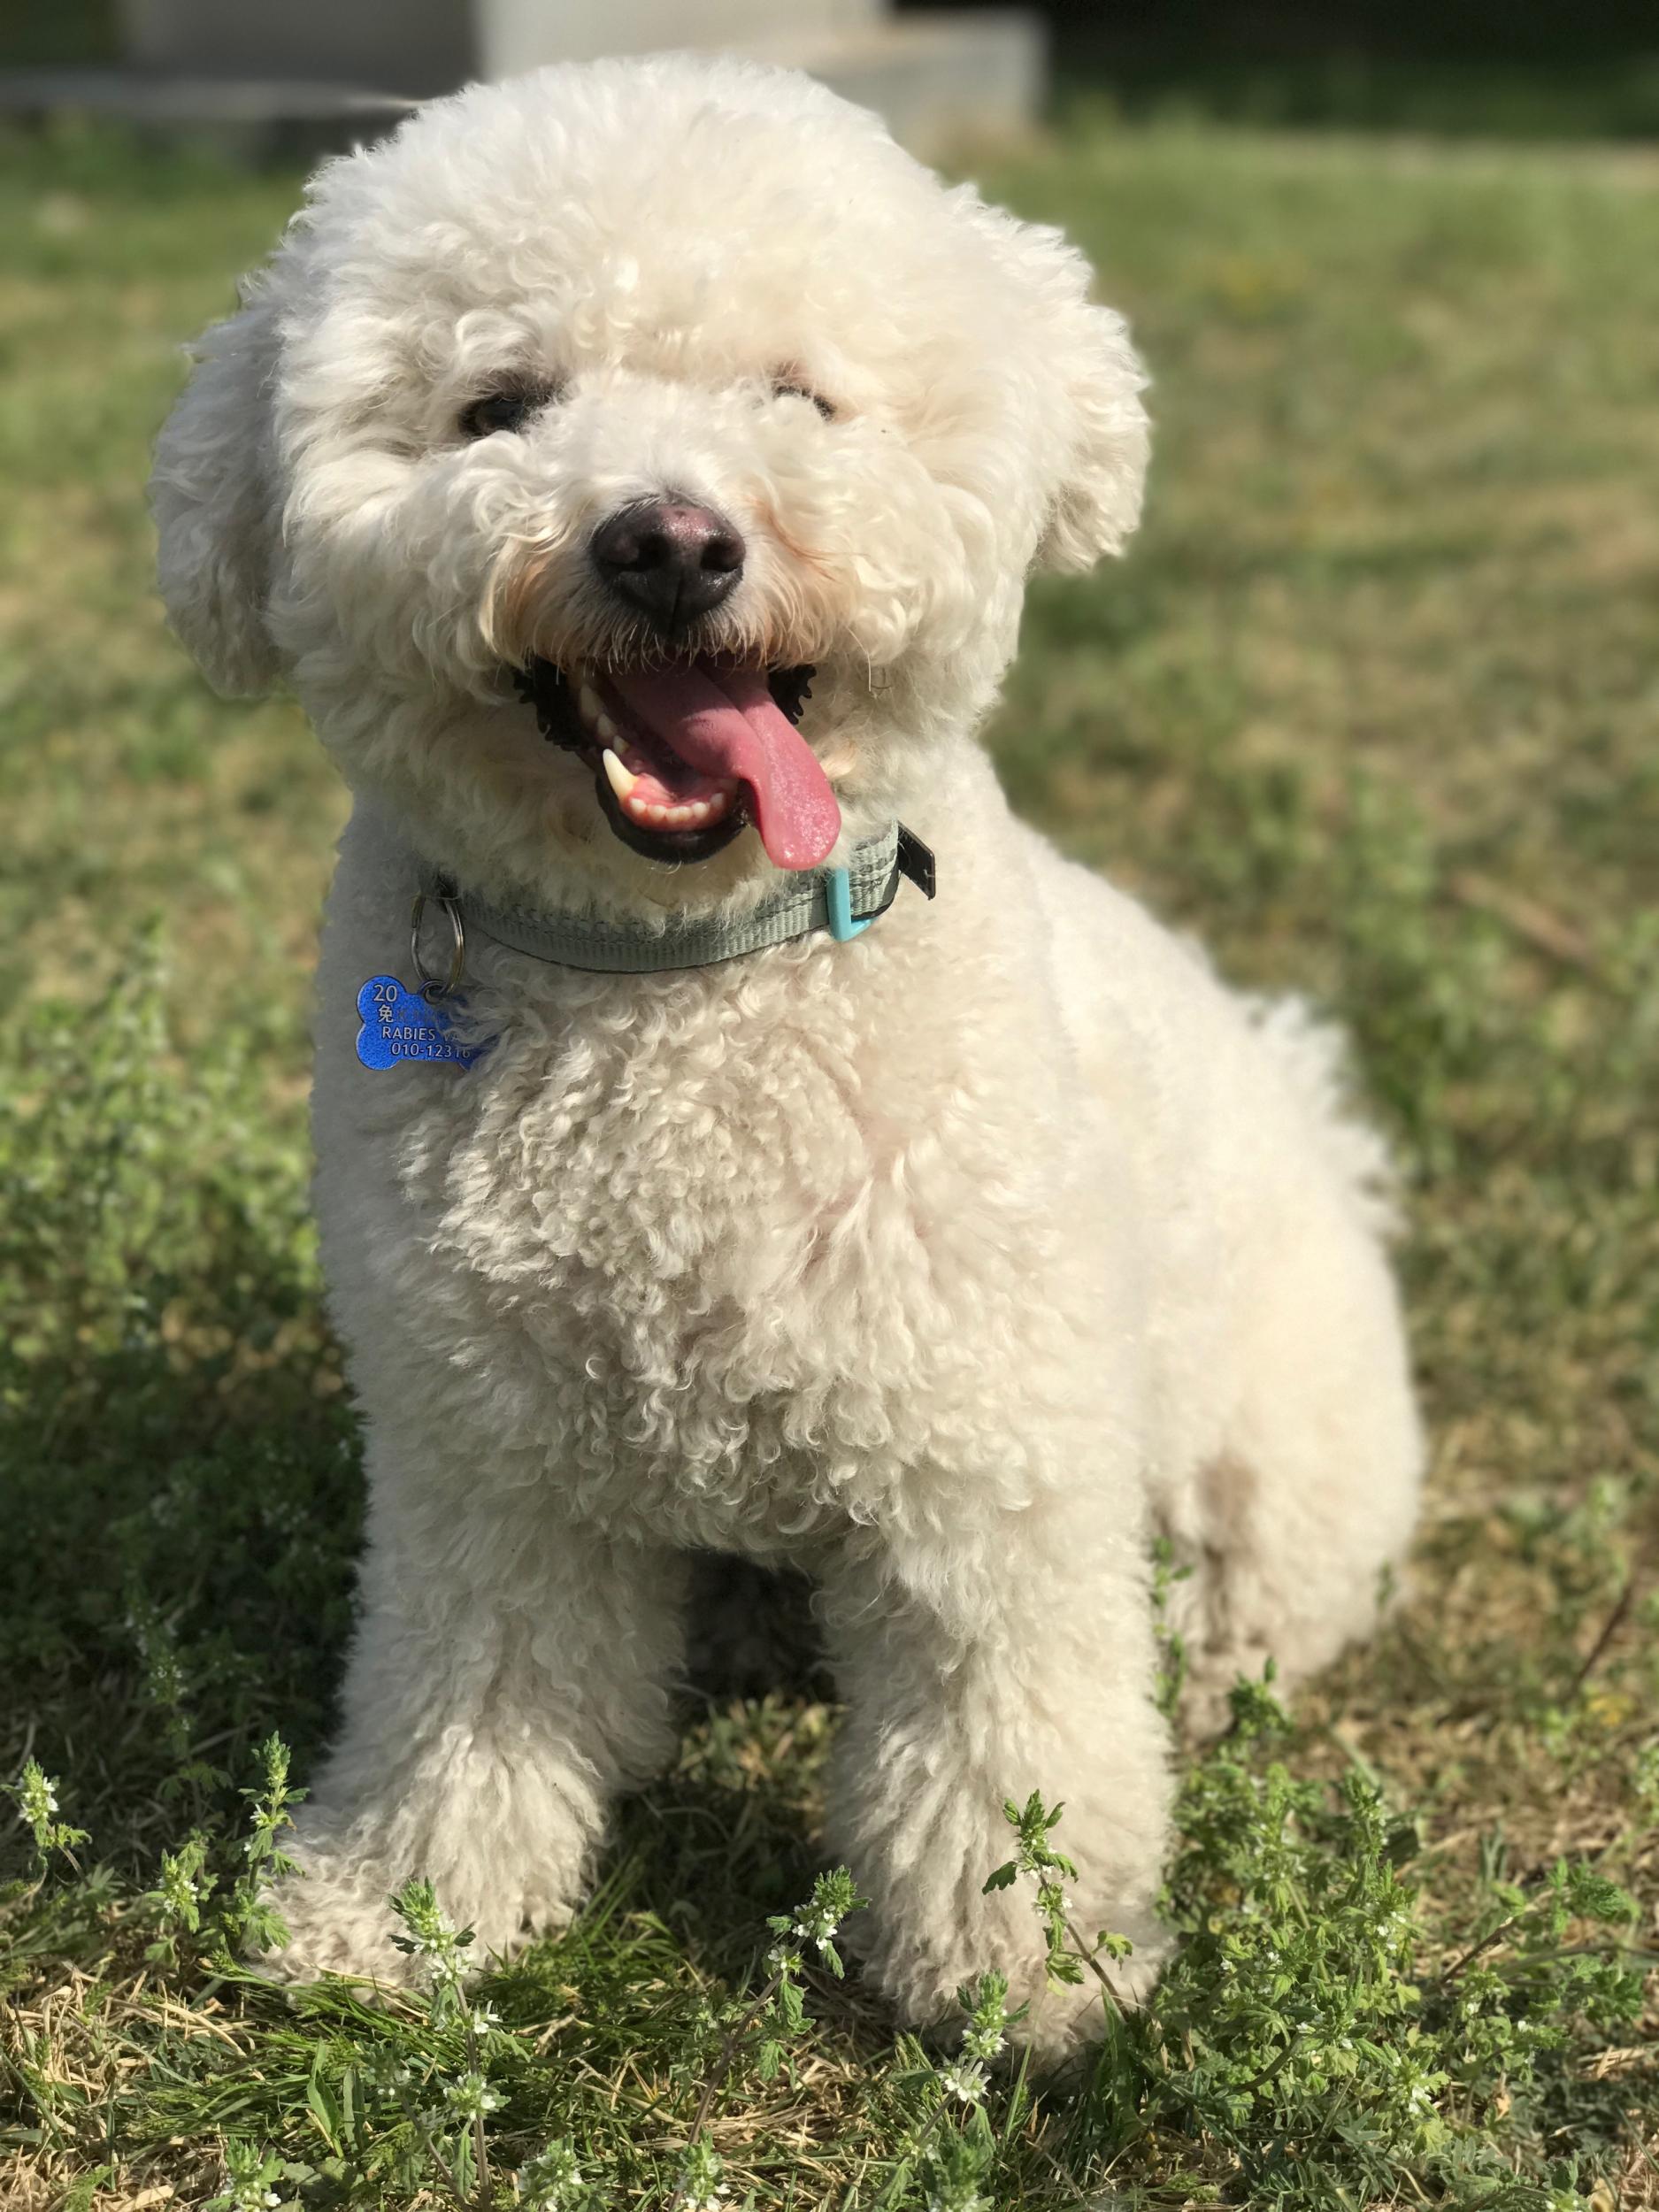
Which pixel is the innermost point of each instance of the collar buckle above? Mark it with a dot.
(434, 983)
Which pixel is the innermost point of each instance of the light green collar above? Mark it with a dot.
(843, 900)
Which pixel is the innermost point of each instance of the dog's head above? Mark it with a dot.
(661, 410)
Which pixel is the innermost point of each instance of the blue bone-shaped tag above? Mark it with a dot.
(399, 1024)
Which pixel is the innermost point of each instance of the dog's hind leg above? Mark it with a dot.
(1293, 1531)
(511, 1671)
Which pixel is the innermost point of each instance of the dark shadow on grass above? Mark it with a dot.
(175, 1584)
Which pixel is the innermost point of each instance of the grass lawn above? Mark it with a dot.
(1373, 705)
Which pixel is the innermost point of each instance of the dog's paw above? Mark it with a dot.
(1206, 1705)
(339, 1920)
(922, 1979)
(1067, 2017)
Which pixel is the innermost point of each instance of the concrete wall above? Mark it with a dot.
(939, 78)
(516, 35)
(419, 47)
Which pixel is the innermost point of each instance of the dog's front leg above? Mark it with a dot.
(1019, 1659)
(511, 1671)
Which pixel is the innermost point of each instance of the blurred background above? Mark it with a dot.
(1372, 703)
(1552, 69)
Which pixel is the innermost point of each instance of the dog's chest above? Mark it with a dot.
(703, 1247)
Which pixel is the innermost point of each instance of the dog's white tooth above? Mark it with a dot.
(696, 813)
(605, 726)
(657, 814)
(678, 816)
(715, 808)
(592, 708)
(621, 779)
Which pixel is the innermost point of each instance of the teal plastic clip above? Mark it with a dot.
(839, 899)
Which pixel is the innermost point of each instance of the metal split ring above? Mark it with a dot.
(432, 984)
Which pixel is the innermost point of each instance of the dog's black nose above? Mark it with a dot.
(669, 557)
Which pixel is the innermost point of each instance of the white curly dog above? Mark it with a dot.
(635, 470)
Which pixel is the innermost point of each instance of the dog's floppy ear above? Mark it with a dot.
(212, 493)
(1096, 503)
(1093, 429)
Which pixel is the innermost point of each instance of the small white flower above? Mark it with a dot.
(253, 2196)
(964, 2078)
(982, 2042)
(949, 2199)
(472, 2096)
(483, 2019)
(551, 2180)
(816, 1926)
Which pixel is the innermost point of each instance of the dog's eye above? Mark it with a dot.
(506, 409)
(786, 387)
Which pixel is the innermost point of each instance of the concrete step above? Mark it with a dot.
(940, 80)
(422, 47)
(512, 35)
(256, 120)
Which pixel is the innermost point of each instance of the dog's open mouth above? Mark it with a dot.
(685, 755)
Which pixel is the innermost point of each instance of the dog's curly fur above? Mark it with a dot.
(945, 1266)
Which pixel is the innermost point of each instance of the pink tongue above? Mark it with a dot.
(726, 723)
